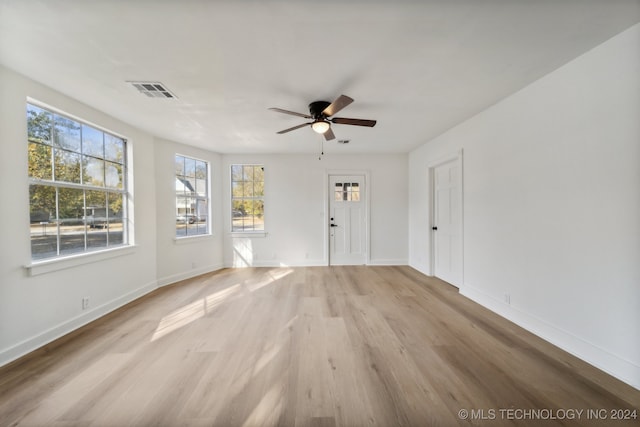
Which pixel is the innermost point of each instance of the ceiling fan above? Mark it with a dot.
(321, 112)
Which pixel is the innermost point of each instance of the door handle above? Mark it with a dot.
(434, 228)
(333, 225)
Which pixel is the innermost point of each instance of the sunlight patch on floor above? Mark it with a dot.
(192, 312)
(268, 410)
(272, 276)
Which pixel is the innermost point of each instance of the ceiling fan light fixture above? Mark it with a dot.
(320, 126)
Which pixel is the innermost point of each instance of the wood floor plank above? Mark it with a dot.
(307, 346)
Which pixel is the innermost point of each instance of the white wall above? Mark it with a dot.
(295, 202)
(552, 206)
(35, 310)
(182, 258)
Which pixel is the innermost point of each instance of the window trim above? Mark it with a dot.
(49, 265)
(63, 261)
(243, 233)
(184, 239)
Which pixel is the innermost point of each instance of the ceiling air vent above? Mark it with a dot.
(153, 89)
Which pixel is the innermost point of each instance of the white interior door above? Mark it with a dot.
(347, 220)
(447, 222)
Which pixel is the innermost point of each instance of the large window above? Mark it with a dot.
(192, 196)
(78, 186)
(247, 198)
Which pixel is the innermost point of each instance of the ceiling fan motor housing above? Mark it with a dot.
(316, 108)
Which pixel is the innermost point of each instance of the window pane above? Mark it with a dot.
(258, 173)
(39, 124)
(247, 173)
(92, 141)
(201, 170)
(201, 187)
(42, 212)
(338, 192)
(114, 176)
(96, 219)
(93, 173)
(186, 216)
(113, 148)
(70, 212)
(201, 179)
(236, 173)
(238, 214)
(182, 206)
(248, 189)
(258, 215)
(40, 161)
(179, 165)
(66, 134)
(190, 186)
(355, 192)
(115, 211)
(202, 213)
(237, 189)
(67, 166)
(181, 226)
(258, 183)
(189, 168)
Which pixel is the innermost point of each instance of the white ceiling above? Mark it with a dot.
(418, 67)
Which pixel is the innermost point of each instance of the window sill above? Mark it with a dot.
(191, 239)
(258, 234)
(48, 266)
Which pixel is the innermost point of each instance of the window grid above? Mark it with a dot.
(192, 196)
(347, 192)
(77, 186)
(247, 198)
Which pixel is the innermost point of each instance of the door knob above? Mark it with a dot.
(434, 228)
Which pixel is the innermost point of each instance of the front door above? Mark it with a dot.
(347, 220)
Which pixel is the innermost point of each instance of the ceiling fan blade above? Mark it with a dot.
(337, 105)
(328, 135)
(355, 122)
(292, 113)
(294, 128)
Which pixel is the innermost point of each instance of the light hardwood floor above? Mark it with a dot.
(315, 346)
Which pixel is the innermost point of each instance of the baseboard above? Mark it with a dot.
(383, 261)
(602, 359)
(275, 263)
(168, 280)
(315, 263)
(27, 346)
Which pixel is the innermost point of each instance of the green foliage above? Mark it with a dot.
(54, 153)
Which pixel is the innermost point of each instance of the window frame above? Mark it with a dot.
(206, 198)
(120, 189)
(232, 198)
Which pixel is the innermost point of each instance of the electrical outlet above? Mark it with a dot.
(85, 303)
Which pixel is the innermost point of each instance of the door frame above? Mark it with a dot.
(367, 205)
(450, 157)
